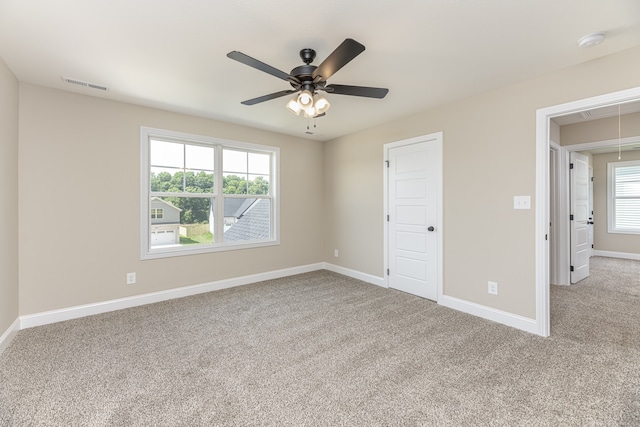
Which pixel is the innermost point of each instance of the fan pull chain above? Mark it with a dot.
(619, 137)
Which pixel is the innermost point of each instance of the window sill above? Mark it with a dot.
(177, 251)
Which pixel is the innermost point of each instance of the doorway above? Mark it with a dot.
(543, 146)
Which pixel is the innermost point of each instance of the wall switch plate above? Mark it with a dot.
(131, 278)
(521, 202)
(493, 288)
(336, 253)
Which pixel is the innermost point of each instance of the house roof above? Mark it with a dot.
(254, 224)
(236, 207)
(169, 205)
(428, 53)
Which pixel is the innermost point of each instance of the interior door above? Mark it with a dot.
(580, 249)
(413, 197)
(590, 221)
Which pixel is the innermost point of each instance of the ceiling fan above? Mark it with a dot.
(308, 79)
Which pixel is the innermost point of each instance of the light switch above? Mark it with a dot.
(521, 202)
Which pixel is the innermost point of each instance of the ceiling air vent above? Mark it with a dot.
(586, 115)
(85, 84)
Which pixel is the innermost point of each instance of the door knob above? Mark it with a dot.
(431, 228)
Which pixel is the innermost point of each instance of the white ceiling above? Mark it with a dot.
(598, 113)
(172, 54)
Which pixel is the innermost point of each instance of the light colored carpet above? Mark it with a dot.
(322, 349)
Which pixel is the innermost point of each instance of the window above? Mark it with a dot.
(157, 213)
(212, 194)
(624, 197)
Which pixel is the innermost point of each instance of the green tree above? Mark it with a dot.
(233, 184)
(259, 186)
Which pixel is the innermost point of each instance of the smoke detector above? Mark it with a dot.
(591, 40)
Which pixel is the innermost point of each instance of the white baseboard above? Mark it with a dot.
(611, 254)
(369, 278)
(508, 319)
(6, 338)
(53, 316)
(47, 317)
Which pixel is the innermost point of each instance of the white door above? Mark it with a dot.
(590, 214)
(580, 249)
(413, 213)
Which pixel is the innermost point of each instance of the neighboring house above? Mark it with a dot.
(253, 223)
(165, 222)
(233, 209)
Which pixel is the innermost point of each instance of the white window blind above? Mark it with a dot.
(624, 200)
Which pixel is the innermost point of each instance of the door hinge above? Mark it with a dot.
(571, 217)
(571, 268)
(387, 218)
(387, 271)
(591, 179)
(546, 237)
(570, 165)
(591, 246)
(387, 162)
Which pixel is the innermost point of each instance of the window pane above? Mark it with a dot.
(234, 161)
(166, 154)
(258, 184)
(199, 182)
(234, 184)
(259, 163)
(166, 180)
(180, 221)
(627, 214)
(247, 219)
(627, 181)
(199, 157)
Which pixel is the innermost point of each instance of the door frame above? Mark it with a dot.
(436, 138)
(542, 214)
(562, 271)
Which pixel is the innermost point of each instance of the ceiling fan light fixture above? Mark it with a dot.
(294, 107)
(305, 99)
(321, 103)
(310, 112)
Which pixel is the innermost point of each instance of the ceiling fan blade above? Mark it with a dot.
(267, 97)
(258, 65)
(369, 92)
(344, 53)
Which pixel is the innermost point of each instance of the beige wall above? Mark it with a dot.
(80, 155)
(9, 199)
(600, 130)
(602, 240)
(489, 157)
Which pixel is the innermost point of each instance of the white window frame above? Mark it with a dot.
(146, 251)
(611, 197)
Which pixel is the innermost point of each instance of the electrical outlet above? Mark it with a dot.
(131, 278)
(492, 288)
(336, 253)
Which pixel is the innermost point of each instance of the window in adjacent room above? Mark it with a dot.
(624, 197)
(201, 194)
